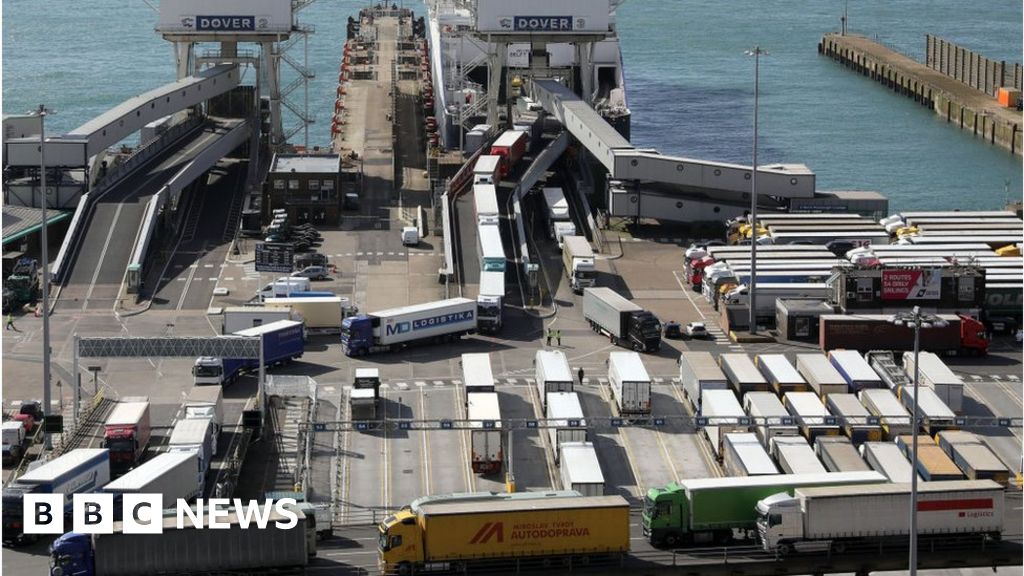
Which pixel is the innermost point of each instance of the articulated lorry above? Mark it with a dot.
(630, 383)
(195, 435)
(781, 375)
(456, 532)
(625, 323)
(698, 371)
(206, 402)
(170, 474)
(961, 335)
(364, 399)
(580, 470)
(485, 436)
(855, 370)
(578, 262)
(239, 548)
(126, 433)
(933, 373)
(820, 519)
(708, 510)
(565, 420)
(477, 375)
(552, 373)
(283, 341)
(838, 454)
(444, 320)
(490, 301)
(77, 472)
(559, 220)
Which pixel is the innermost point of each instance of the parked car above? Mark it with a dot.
(696, 330)
(311, 259)
(313, 273)
(673, 330)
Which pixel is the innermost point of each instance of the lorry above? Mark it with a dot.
(795, 455)
(894, 418)
(625, 323)
(194, 435)
(187, 550)
(458, 531)
(932, 413)
(77, 472)
(14, 439)
(973, 456)
(810, 415)
(698, 371)
(578, 262)
(476, 373)
(855, 370)
(743, 375)
(510, 147)
(838, 454)
(206, 402)
(170, 474)
(888, 459)
(559, 220)
(321, 314)
(932, 463)
(743, 455)
(364, 398)
(854, 419)
(410, 236)
(126, 433)
(724, 414)
(961, 334)
(580, 470)
(485, 435)
(781, 375)
(630, 383)
(486, 170)
(708, 510)
(283, 286)
(770, 418)
(933, 373)
(884, 364)
(821, 376)
(283, 341)
(552, 373)
(819, 519)
(489, 248)
(485, 203)
(443, 320)
(237, 318)
(490, 302)
(565, 420)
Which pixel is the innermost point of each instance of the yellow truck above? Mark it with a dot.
(458, 531)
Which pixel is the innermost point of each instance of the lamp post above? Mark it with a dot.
(44, 246)
(756, 52)
(917, 320)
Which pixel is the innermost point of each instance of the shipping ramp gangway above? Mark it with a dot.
(625, 162)
(75, 148)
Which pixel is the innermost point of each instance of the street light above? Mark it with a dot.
(44, 245)
(751, 300)
(917, 320)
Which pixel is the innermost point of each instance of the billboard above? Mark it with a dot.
(542, 16)
(911, 284)
(244, 17)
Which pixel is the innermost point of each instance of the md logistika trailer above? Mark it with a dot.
(457, 533)
(445, 320)
(706, 510)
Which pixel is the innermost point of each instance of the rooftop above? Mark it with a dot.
(302, 163)
(20, 221)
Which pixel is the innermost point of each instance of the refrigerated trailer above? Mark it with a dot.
(724, 414)
(810, 414)
(855, 370)
(894, 418)
(743, 455)
(887, 458)
(854, 418)
(795, 455)
(580, 469)
(743, 375)
(476, 374)
(770, 418)
(485, 435)
(698, 371)
(565, 420)
(552, 373)
(821, 376)
(630, 383)
(782, 376)
(838, 454)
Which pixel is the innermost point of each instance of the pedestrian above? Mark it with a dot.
(558, 337)
(547, 336)
(10, 322)
(580, 374)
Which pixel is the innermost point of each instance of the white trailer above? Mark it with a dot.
(782, 376)
(811, 415)
(724, 415)
(769, 417)
(552, 373)
(630, 383)
(821, 376)
(580, 469)
(322, 314)
(491, 301)
(742, 373)
(476, 374)
(795, 455)
(820, 519)
(698, 371)
(170, 474)
(892, 415)
(206, 402)
(194, 435)
(973, 456)
(237, 318)
(485, 200)
(490, 249)
(853, 418)
(485, 432)
(559, 220)
(485, 171)
(743, 455)
(565, 420)
(934, 373)
(888, 459)
(932, 412)
(855, 370)
(363, 403)
(838, 454)
(78, 471)
(578, 263)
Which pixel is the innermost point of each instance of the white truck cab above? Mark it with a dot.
(779, 521)
(410, 236)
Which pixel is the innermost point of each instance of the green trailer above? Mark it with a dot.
(711, 510)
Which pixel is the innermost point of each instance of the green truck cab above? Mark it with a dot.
(712, 510)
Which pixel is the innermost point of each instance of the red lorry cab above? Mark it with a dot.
(697, 267)
(126, 432)
(510, 146)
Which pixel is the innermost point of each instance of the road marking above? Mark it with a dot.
(103, 254)
(386, 471)
(184, 291)
(426, 451)
(686, 292)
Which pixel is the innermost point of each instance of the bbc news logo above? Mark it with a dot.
(144, 514)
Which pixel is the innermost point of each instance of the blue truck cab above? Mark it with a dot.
(72, 553)
(357, 334)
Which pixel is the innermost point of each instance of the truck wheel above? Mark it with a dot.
(404, 568)
(671, 540)
(839, 547)
(783, 549)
